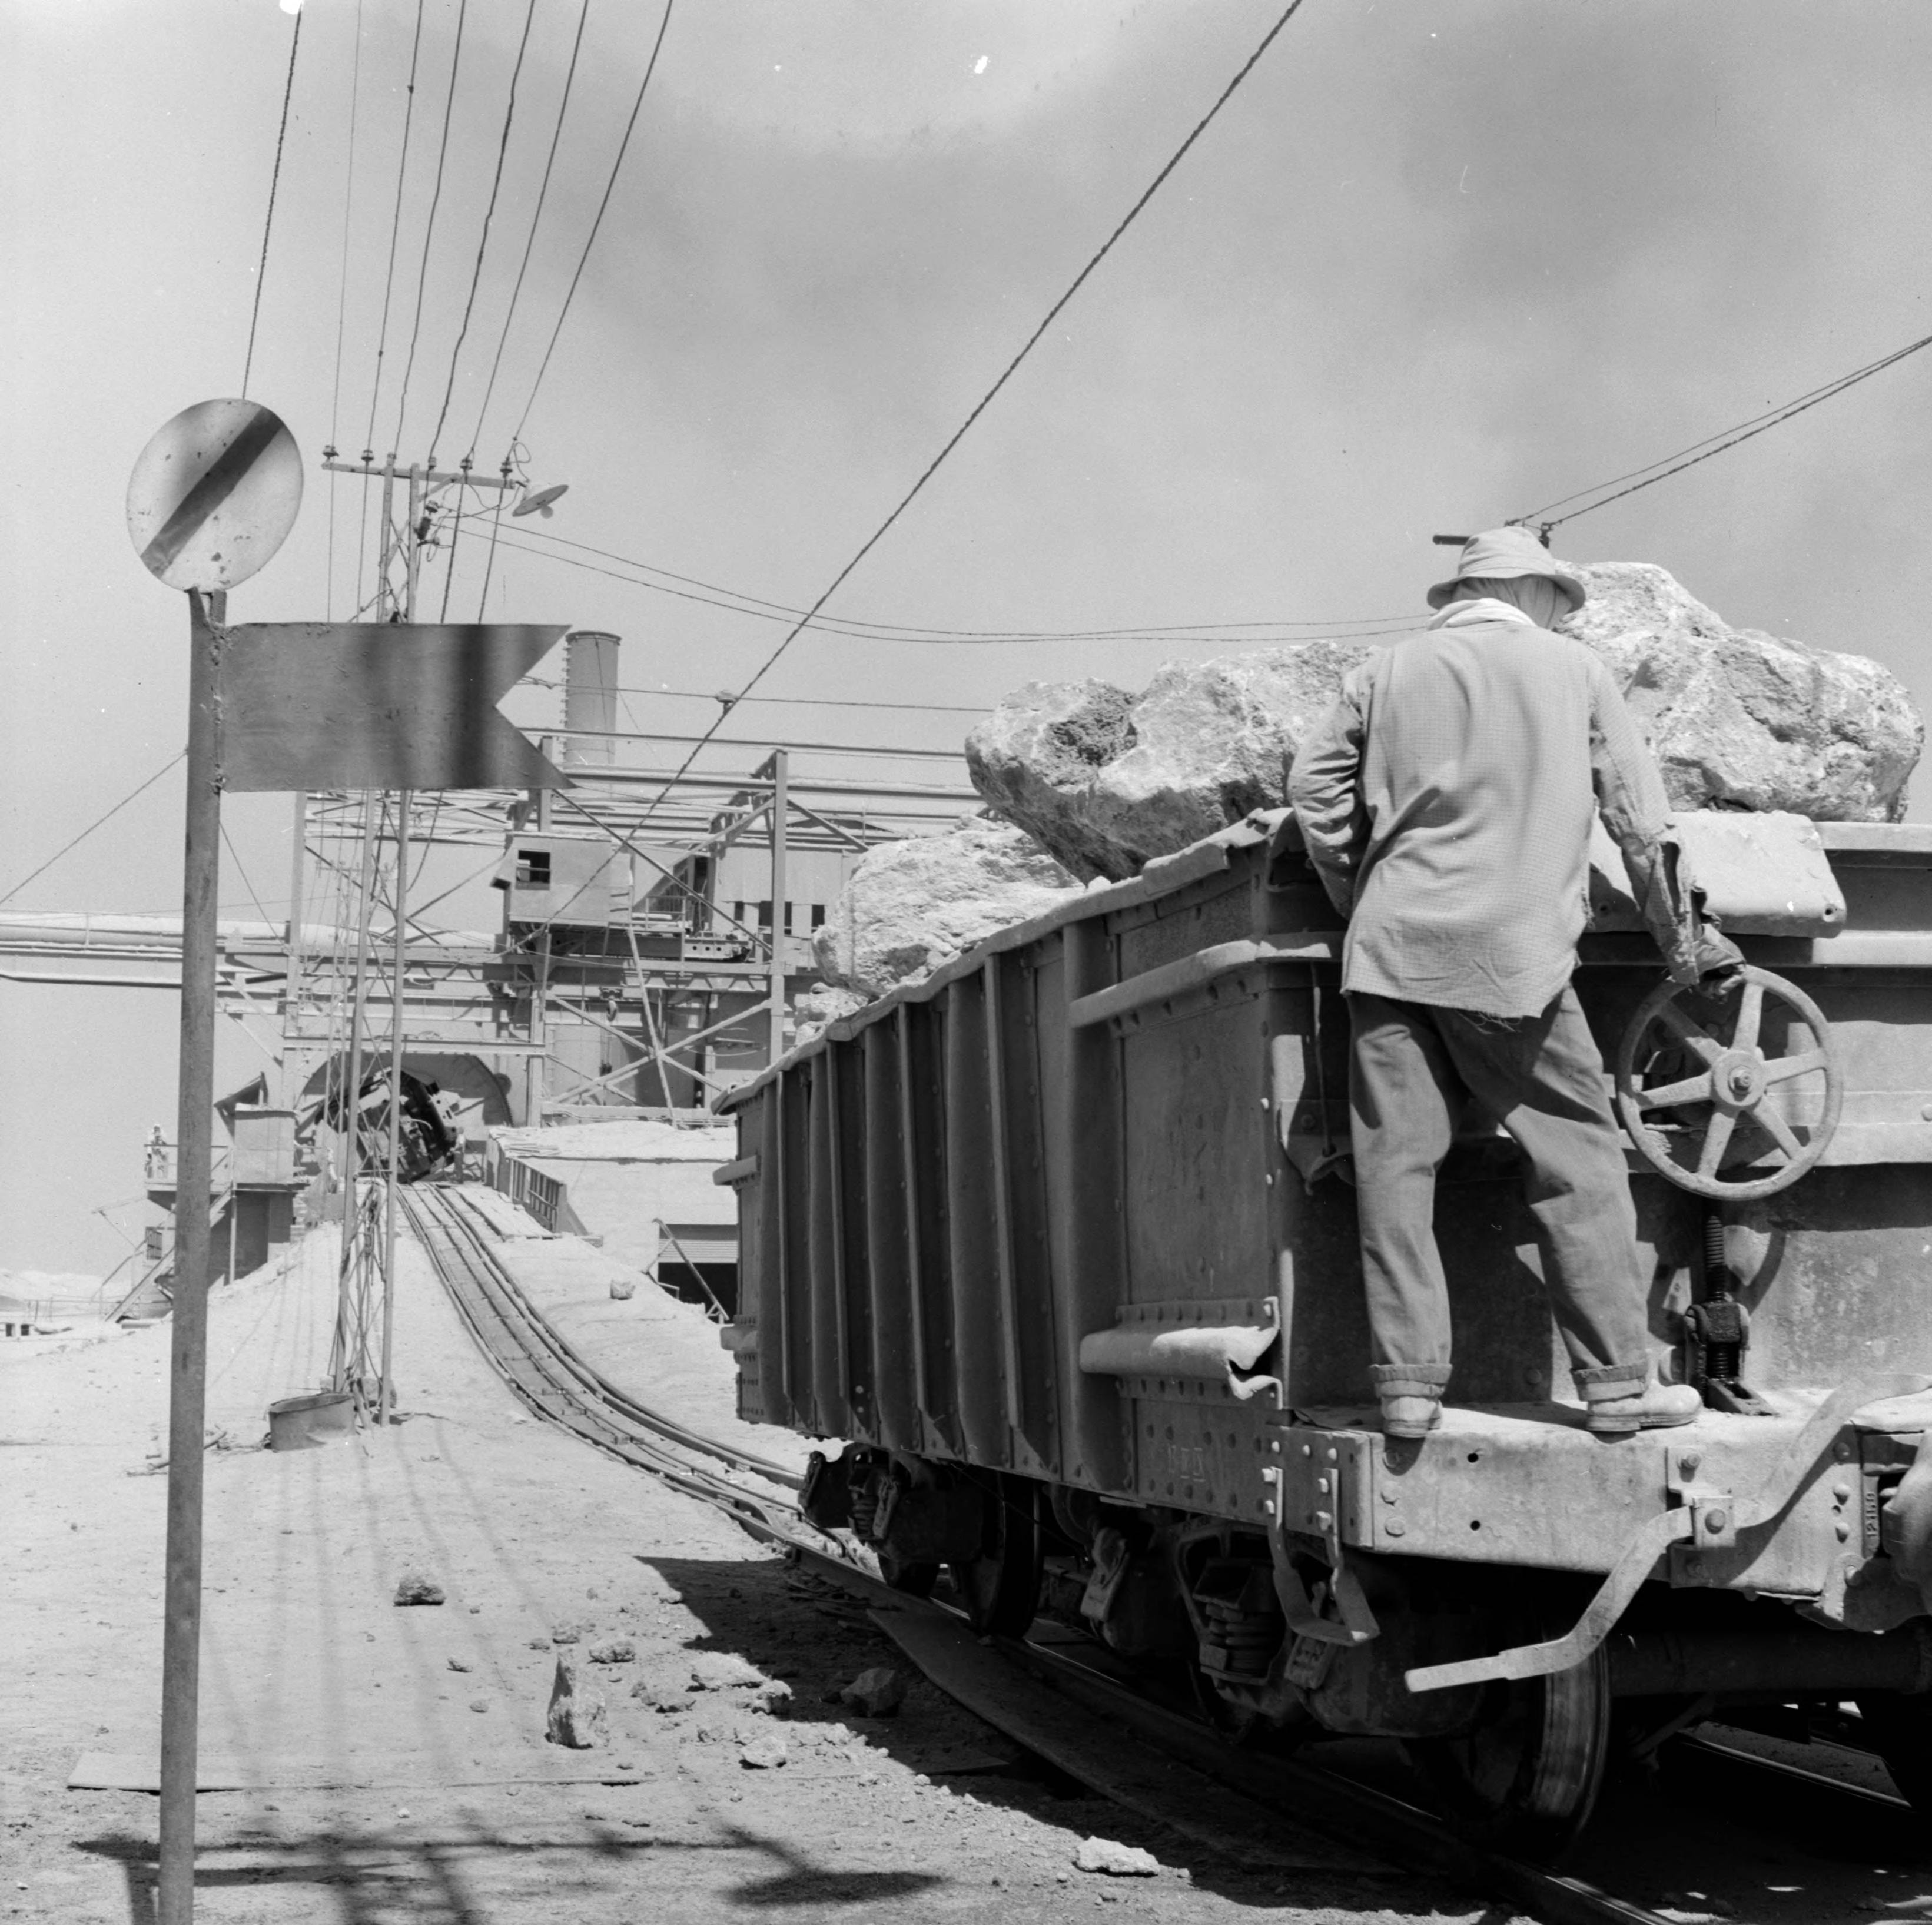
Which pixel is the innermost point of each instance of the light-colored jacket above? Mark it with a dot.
(1446, 802)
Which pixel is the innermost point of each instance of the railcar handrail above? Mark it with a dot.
(1197, 972)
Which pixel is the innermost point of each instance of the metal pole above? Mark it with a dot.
(780, 813)
(387, 1400)
(181, 1637)
(292, 983)
(352, 1159)
(384, 1400)
(535, 1079)
(385, 596)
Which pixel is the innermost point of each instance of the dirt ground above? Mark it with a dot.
(399, 1752)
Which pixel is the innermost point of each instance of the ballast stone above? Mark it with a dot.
(1105, 780)
(908, 906)
(1740, 719)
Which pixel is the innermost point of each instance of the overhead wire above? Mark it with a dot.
(853, 625)
(1079, 280)
(269, 222)
(490, 555)
(811, 702)
(341, 319)
(449, 568)
(429, 229)
(536, 215)
(96, 823)
(1724, 439)
(395, 232)
(590, 240)
(235, 855)
(483, 243)
(1391, 624)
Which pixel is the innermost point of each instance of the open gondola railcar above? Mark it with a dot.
(1060, 1242)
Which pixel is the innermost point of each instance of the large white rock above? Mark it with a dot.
(1105, 780)
(1740, 719)
(909, 906)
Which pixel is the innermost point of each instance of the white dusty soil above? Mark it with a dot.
(430, 1795)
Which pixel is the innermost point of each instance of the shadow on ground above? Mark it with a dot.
(816, 1637)
(373, 1878)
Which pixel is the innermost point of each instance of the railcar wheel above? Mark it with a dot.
(1000, 1587)
(1900, 1730)
(1527, 1778)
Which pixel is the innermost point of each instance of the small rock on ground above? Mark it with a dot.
(614, 1650)
(763, 1754)
(576, 1711)
(876, 1693)
(415, 1588)
(1115, 1860)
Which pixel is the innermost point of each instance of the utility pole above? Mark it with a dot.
(421, 484)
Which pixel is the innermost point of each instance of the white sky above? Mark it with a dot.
(1436, 263)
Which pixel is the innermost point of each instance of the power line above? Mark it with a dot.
(1724, 438)
(235, 855)
(490, 554)
(429, 229)
(942, 638)
(395, 230)
(808, 702)
(482, 245)
(530, 240)
(852, 625)
(455, 535)
(570, 293)
(92, 827)
(268, 224)
(1079, 280)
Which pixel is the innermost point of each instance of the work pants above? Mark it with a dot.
(1540, 1077)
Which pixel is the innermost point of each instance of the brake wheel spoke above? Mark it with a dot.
(1692, 1035)
(1787, 1067)
(1779, 1131)
(1750, 1014)
(1717, 1140)
(1691, 1089)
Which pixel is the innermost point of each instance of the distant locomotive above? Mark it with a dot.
(1061, 1241)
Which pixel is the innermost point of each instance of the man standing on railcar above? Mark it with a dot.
(1446, 802)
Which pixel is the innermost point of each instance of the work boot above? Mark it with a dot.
(1622, 1408)
(1412, 1398)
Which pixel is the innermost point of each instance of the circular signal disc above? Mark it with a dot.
(214, 495)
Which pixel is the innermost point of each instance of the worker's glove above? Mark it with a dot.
(1711, 955)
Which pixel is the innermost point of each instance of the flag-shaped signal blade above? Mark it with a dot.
(377, 705)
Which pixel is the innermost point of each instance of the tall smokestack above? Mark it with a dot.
(590, 693)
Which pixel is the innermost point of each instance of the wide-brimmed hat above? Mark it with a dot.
(1507, 551)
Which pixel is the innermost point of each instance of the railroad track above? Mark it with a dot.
(560, 1386)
